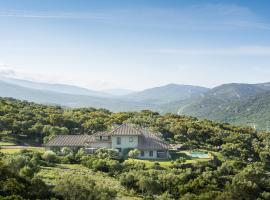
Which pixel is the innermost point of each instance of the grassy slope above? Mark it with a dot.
(53, 174)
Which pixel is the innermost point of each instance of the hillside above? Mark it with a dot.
(68, 100)
(238, 157)
(166, 94)
(59, 88)
(234, 103)
(73, 96)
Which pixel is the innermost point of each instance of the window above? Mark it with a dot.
(119, 150)
(118, 140)
(151, 153)
(142, 153)
(161, 154)
(130, 139)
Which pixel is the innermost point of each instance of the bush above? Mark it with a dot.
(50, 157)
(13, 197)
(134, 153)
(104, 165)
(130, 165)
(106, 153)
(27, 171)
(81, 188)
(66, 151)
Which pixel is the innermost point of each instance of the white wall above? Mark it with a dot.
(147, 155)
(125, 143)
(100, 144)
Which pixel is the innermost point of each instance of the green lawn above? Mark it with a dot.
(17, 150)
(53, 174)
(167, 163)
(4, 143)
(175, 155)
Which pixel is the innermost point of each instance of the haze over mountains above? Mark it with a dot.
(234, 103)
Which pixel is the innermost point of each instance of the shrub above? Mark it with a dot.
(106, 153)
(27, 171)
(13, 197)
(104, 165)
(81, 188)
(66, 151)
(50, 157)
(134, 153)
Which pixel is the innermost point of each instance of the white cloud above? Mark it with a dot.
(5, 70)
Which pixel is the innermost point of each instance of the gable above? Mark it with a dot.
(126, 130)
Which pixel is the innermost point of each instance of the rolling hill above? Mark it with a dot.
(233, 103)
(68, 100)
(59, 88)
(166, 94)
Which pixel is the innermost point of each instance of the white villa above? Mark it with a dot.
(123, 139)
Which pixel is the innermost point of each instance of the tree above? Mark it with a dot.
(265, 157)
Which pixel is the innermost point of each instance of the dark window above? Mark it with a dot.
(151, 153)
(119, 150)
(161, 154)
(118, 140)
(142, 153)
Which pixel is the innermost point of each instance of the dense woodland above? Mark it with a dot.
(240, 168)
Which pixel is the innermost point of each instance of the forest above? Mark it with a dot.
(240, 168)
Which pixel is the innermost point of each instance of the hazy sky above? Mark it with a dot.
(135, 44)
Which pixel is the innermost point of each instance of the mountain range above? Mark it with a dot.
(237, 103)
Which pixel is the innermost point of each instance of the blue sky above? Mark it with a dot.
(135, 44)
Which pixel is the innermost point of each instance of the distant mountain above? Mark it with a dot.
(166, 94)
(118, 92)
(234, 103)
(59, 88)
(68, 100)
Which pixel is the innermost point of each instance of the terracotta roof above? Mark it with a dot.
(126, 130)
(102, 133)
(147, 139)
(152, 141)
(69, 140)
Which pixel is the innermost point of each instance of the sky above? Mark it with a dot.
(105, 44)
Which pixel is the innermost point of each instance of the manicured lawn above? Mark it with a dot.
(167, 163)
(53, 174)
(4, 143)
(16, 150)
(150, 163)
(175, 155)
